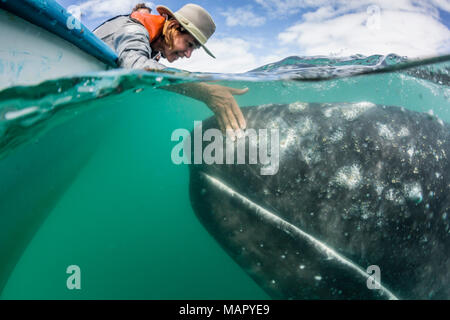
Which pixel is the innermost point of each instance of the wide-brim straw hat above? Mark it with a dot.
(196, 20)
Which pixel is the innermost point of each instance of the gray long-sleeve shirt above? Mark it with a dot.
(131, 41)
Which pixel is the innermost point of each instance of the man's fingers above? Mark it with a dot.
(232, 118)
(227, 124)
(227, 110)
(222, 126)
(235, 91)
(239, 116)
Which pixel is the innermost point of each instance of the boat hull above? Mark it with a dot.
(30, 54)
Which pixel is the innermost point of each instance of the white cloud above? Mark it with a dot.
(404, 27)
(321, 14)
(290, 7)
(93, 9)
(286, 7)
(233, 55)
(243, 16)
(441, 4)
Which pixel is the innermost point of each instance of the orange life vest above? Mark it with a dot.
(153, 23)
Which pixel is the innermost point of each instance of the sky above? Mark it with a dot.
(251, 33)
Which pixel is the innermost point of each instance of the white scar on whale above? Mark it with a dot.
(296, 232)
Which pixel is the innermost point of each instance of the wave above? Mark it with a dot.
(24, 109)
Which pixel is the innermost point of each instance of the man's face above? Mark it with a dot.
(183, 46)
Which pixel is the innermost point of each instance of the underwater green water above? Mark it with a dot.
(89, 181)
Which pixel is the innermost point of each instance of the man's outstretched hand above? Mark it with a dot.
(220, 100)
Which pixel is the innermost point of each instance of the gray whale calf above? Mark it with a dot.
(360, 187)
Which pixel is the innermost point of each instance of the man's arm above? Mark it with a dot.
(133, 48)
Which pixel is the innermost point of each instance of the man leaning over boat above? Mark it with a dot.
(141, 38)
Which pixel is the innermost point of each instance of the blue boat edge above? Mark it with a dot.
(54, 18)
